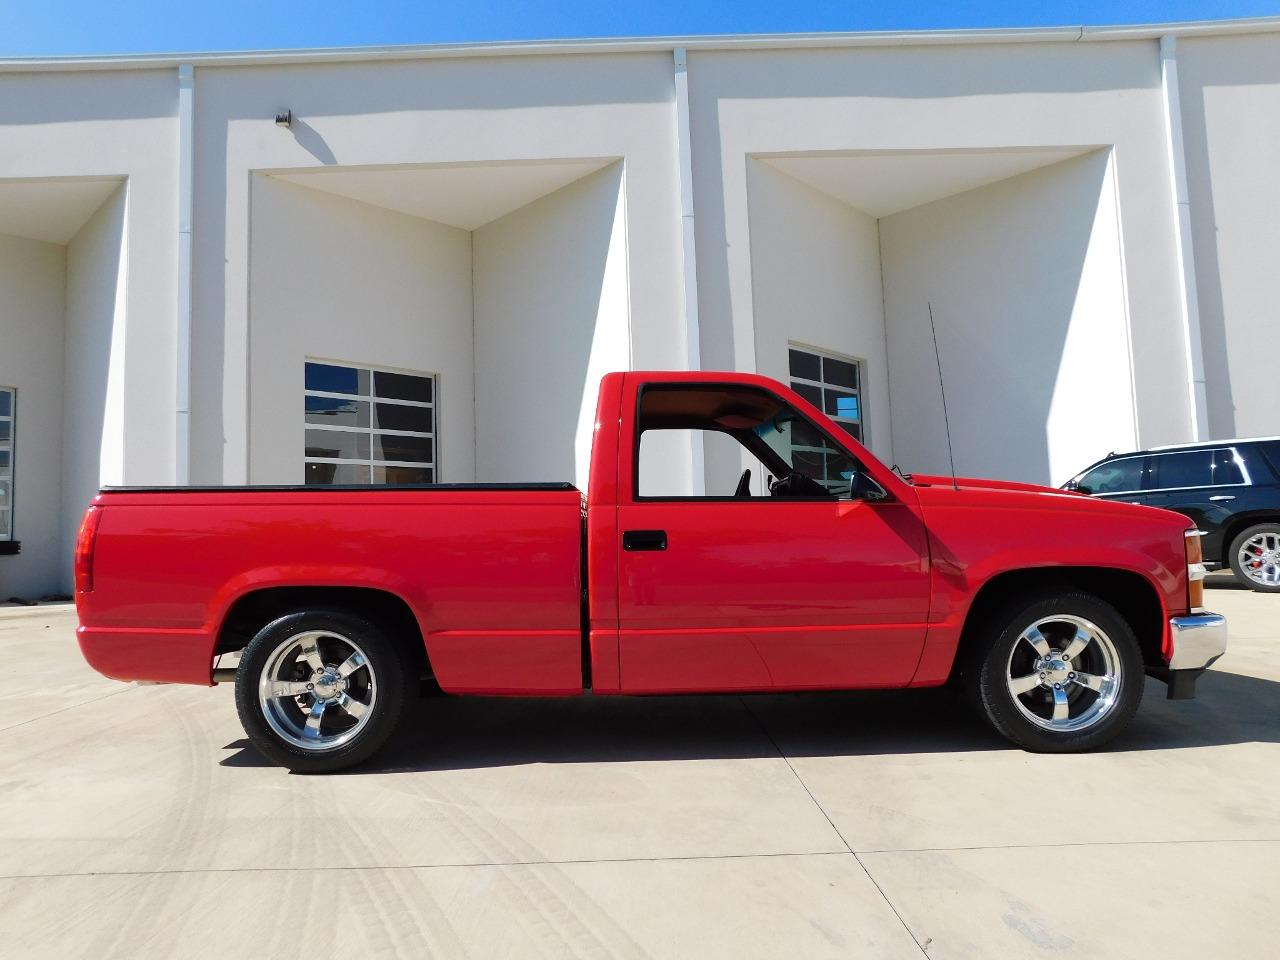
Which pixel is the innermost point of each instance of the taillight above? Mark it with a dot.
(1195, 570)
(85, 543)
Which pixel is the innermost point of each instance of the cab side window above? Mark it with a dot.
(757, 445)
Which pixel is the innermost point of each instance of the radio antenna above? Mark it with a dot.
(942, 387)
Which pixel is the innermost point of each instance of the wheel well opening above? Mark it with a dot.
(253, 611)
(1131, 594)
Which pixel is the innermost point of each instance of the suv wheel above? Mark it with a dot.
(1255, 557)
(320, 690)
(1060, 673)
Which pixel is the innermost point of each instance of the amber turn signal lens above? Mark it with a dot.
(1195, 594)
(1195, 553)
(1195, 570)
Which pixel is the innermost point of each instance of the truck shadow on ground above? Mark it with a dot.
(448, 733)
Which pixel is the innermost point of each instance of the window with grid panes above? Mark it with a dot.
(831, 383)
(365, 425)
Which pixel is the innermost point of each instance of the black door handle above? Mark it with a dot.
(644, 540)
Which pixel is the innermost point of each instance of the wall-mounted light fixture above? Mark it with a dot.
(284, 118)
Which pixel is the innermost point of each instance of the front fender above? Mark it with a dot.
(975, 538)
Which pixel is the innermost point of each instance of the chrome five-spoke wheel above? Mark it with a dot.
(1064, 673)
(317, 690)
(1259, 558)
(1056, 670)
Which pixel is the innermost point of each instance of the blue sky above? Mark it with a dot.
(138, 26)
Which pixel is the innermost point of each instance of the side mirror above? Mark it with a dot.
(863, 487)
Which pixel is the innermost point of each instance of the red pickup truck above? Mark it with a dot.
(829, 572)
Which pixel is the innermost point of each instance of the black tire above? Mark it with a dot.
(994, 660)
(1233, 556)
(384, 675)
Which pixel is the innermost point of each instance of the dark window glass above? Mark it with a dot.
(1271, 452)
(390, 446)
(1225, 468)
(4, 460)
(1190, 469)
(805, 434)
(337, 412)
(812, 394)
(1117, 476)
(333, 379)
(326, 473)
(804, 365)
(853, 429)
(812, 463)
(4, 430)
(395, 416)
(400, 386)
(394, 475)
(337, 444)
(840, 373)
(838, 404)
(6, 403)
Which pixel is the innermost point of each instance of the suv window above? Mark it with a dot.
(1226, 468)
(1114, 476)
(1271, 451)
(1192, 468)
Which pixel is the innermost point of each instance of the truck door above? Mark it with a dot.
(803, 587)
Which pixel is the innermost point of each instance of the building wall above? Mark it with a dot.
(1028, 95)
(119, 123)
(336, 279)
(33, 278)
(551, 318)
(97, 367)
(1231, 128)
(815, 266)
(418, 112)
(593, 276)
(1026, 284)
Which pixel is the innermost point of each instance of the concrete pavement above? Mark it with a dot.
(137, 822)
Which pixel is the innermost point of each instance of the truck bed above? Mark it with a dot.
(491, 573)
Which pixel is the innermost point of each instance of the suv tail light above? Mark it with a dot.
(1195, 570)
(85, 543)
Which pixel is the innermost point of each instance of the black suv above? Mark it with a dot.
(1229, 488)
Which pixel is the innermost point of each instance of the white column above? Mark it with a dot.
(1189, 302)
(692, 334)
(182, 312)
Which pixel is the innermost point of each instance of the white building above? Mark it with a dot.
(1091, 213)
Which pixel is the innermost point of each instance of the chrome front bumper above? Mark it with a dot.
(1198, 640)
